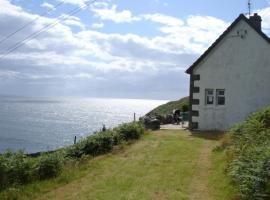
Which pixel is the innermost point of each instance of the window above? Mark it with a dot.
(220, 97)
(209, 97)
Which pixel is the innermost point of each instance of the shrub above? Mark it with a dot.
(249, 156)
(98, 144)
(103, 142)
(2, 172)
(49, 165)
(75, 151)
(131, 131)
(116, 137)
(263, 117)
(15, 168)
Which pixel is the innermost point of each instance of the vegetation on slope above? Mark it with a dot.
(167, 108)
(162, 165)
(248, 155)
(18, 169)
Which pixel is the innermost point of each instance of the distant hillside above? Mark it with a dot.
(169, 107)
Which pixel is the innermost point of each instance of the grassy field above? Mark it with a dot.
(162, 165)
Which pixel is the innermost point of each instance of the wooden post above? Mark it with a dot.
(134, 117)
(75, 139)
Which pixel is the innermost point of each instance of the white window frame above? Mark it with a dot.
(218, 96)
(208, 96)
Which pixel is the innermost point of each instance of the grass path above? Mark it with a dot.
(163, 165)
(199, 186)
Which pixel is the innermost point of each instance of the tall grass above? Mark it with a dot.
(19, 169)
(248, 155)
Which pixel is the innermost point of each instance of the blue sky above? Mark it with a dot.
(113, 48)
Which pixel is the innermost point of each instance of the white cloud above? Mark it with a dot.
(63, 77)
(106, 13)
(8, 74)
(164, 19)
(122, 60)
(163, 3)
(97, 25)
(177, 47)
(195, 35)
(85, 3)
(60, 46)
(76, 2)
(9, 7)
(265, 14)
(206, 23)
(47, 6)
(72, 20)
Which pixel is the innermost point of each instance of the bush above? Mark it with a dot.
(249, 156)
(74, 151)
(98, 144)
(15, 168)
(49, 165)
(116, 137)
(2, 172)
(131, 131)
(103, 142)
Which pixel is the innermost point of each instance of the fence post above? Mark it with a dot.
(134, 117)
(75, 139)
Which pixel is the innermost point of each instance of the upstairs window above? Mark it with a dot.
(220, 97)
(209, 96)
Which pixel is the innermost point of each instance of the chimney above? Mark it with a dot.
(256, 21)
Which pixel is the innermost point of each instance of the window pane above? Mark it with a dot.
(210, 100)
(221, 92)
(221, 100)
(209, 96)
(220, 96)
(210, 92)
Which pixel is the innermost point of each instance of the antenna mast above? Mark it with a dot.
(249, 7)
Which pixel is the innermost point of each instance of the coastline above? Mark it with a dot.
(46, 125)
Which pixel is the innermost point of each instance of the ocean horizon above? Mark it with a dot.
(36, 124)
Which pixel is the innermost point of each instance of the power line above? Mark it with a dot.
(49, 26)
(266, 12)
(31, 22)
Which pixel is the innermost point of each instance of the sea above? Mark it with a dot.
(37, 124)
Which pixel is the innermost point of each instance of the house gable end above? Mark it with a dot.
(223, 35)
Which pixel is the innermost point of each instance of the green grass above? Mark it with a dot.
(223, 189)
(169, 107)
(161, 165)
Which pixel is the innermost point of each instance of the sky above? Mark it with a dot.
(110, 48)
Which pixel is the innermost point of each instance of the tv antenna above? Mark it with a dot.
(249, 8)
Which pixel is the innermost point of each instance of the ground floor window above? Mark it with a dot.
(209, 96)
(220, 97)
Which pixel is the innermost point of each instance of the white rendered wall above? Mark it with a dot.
(242, 68)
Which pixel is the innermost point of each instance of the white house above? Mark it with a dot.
(232, 78)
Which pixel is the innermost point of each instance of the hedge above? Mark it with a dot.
(248, 155)
(16, 168)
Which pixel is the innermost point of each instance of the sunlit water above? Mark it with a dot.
(41, 124)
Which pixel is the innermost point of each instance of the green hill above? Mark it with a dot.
(170, 106)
